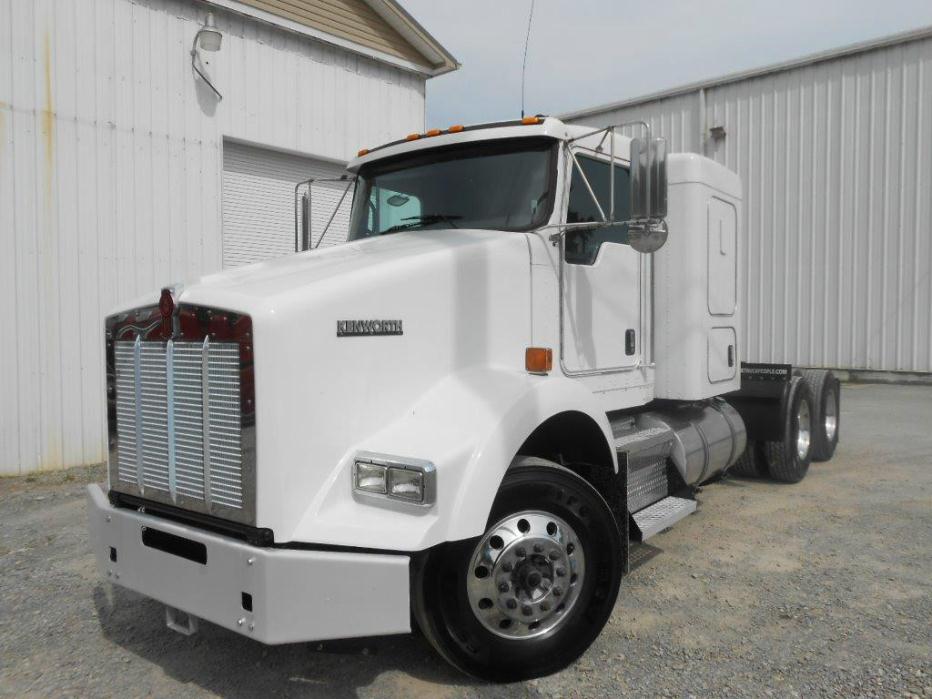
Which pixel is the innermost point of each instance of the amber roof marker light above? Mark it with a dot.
(531, 120)
(456, 128)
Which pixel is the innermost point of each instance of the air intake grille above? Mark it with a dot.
(178, 422)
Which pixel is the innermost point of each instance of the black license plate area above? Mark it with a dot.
(175, 545)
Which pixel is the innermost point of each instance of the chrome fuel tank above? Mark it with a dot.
(706, 437)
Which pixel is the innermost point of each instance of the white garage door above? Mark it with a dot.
(258, 203)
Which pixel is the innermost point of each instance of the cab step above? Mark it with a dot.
(663, 514)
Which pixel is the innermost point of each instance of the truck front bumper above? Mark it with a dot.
(294, 595)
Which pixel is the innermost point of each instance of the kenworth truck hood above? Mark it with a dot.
(463, 300)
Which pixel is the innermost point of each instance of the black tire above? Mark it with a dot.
(751, 463)
(441, 603)
(783, 458)
(826, 397)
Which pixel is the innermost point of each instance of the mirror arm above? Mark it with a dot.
(349, 184)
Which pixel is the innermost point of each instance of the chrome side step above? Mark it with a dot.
(662, 515)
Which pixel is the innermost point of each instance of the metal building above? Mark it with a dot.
(835, 154)
(136, 152)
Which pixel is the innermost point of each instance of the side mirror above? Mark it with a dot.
(647, 230)
(648, 179)
(658, 178)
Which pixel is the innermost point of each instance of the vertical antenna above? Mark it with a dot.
(524, 63)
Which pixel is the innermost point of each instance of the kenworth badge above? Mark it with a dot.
(353, 328)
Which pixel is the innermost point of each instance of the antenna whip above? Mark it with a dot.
(524, 63)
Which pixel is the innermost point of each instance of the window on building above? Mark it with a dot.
(583, 244)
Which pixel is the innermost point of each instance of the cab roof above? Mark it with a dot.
(540, 125)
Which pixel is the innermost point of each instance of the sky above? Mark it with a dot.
(583, 53)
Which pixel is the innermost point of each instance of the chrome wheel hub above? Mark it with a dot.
(525, 575)
(831, 416)
(803, 430)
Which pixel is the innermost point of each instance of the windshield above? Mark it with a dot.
(497, 185)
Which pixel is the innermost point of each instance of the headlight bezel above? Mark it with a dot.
(405, 470)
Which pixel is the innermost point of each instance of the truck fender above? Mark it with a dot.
(471, 426)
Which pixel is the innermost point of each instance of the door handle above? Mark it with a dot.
(630, 344)
(731, 355)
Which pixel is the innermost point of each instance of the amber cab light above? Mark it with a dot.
(527, 121)
(433, 132)
(412, 136)
(362, 152)
(538, 360)
(456, 128)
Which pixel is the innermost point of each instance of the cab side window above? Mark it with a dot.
(583, 244)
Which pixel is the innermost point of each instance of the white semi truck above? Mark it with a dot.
(525, 359)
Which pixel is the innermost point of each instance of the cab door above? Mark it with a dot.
(601, 314)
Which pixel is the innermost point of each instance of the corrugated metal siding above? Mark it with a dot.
(110, 177)
(836, 161)
(352, 20)
(258, 203)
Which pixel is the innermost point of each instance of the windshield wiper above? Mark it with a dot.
(423, 220)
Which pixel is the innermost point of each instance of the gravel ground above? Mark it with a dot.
(818, 589)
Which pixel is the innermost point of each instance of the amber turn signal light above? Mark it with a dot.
(538, 360)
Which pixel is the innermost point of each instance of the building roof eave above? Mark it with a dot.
(427, 69)
(412, 30)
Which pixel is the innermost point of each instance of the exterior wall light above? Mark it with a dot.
(207, 38)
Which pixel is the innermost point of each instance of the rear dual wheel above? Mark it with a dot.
(826, 404)
(529, 596)
(788, 459)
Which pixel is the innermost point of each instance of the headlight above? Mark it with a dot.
(412, 481)
(370, 477)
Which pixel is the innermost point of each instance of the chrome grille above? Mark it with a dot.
(178, 421)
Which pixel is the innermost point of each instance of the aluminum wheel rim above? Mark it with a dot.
(831, 416)
(803, 430)
(525, 575)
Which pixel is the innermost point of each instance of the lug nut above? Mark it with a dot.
(526, 610)
(554, 555)
(538, 548)
(511, 604)
(557, 591)
(520, 552)
(503, 587)
(560, 571)
(545, 606)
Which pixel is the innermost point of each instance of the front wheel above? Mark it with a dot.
(529, 596)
